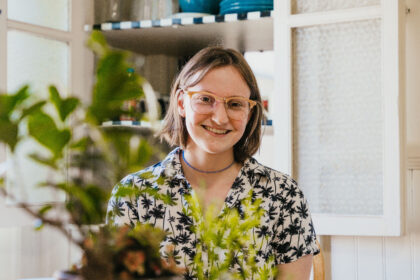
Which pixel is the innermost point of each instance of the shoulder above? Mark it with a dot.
(153, 174)
(272, 184)
(269, 173)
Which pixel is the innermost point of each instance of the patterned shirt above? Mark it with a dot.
(286, 222)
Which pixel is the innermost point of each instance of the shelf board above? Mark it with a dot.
(251, 31)
(143, 128)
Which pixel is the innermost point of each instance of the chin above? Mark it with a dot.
(217, 149)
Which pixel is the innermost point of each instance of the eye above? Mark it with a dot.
(237, 104)
(204, 98)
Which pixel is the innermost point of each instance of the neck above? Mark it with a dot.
(205, 171)
(199, 160)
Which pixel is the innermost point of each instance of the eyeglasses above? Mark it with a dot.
(237, 107)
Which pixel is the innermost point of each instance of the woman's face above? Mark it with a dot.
(215, 132)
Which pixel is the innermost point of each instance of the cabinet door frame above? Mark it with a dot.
(391, 14)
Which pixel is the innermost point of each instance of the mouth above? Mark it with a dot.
(216, 131)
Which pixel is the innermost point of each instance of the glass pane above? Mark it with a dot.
(310, 6)
(338, 116)
(46, 63)
(48, 13)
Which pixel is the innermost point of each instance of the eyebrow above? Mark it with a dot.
(209, 91)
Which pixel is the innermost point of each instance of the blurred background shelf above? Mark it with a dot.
(185, 36)
(143, 128)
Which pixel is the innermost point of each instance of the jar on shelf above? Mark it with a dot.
(153, 9)
(133, 10)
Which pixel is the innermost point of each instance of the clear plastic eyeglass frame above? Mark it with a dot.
(239, 114)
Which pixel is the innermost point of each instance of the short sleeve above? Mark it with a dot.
(122, 210)
(295, 236)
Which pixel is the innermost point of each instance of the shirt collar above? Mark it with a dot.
(252, 165)
(171, 166)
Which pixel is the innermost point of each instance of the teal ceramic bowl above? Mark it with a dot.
(200, 6)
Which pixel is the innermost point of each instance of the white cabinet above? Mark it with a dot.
(340, 126)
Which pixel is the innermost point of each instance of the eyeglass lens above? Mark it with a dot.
(203, 103)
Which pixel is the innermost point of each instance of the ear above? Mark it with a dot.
(180, 103)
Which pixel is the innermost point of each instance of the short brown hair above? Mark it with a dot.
(174, 130)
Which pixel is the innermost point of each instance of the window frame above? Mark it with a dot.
(80, 75)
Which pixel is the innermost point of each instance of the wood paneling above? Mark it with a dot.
(343, 258)
(369, 258)
(416, 256)
(8, 258)
(397, 258)
(26, 253)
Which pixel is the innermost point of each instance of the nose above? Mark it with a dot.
(220, 115)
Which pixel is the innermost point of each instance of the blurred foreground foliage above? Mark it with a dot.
(227, 248)
(85, 159)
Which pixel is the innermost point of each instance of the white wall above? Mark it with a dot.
(398, 258)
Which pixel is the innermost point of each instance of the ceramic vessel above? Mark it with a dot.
(199, 6)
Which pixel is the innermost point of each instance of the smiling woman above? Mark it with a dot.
(215, 118)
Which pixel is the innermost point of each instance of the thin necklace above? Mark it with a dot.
(203, 171)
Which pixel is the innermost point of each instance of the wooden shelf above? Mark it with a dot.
(251, 31)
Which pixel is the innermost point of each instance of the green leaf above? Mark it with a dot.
(44, 209)
(147, 175)
(42, 127)
(63, 106)
(123, 191)
(33, 109)
(86, 203)
(9, 133)
(9, 102)
(80, 144)
(144, 152)
(55, 97)
(68, 106)
(51, 162)
(97, 43)
(114, 85)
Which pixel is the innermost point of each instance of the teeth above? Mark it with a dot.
(218, 131)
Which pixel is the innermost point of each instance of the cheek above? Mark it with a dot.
(193, 118)
(239, 125)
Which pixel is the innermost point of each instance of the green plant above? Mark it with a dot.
(86, 158)
(126, 253)
(225, 240)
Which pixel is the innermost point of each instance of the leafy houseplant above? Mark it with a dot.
(224, 240)
(89, 160)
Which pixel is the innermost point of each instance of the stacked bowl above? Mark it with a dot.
(244, 6)
(199, 6)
